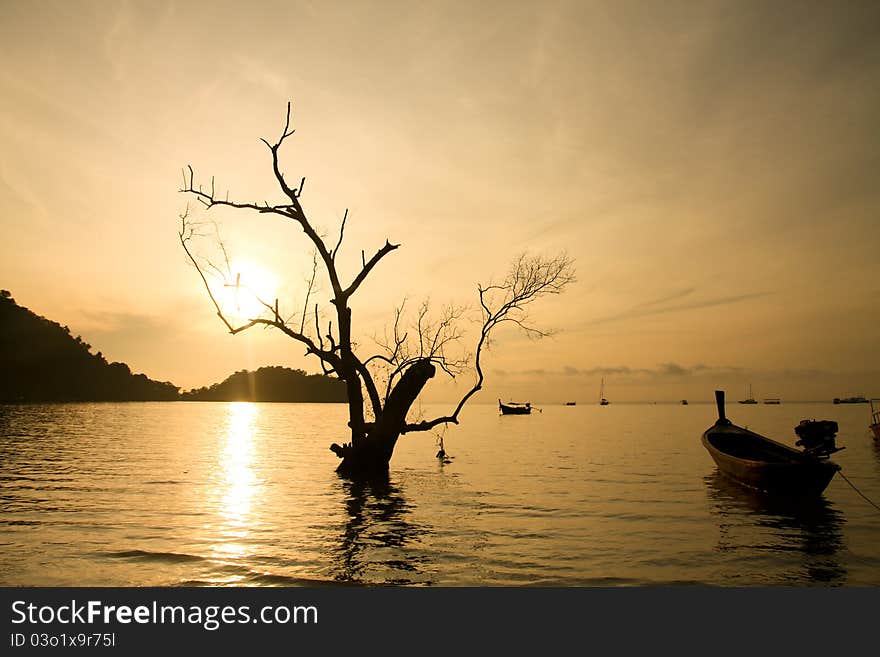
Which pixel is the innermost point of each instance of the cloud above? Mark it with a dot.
(658, 307)
(675, 373)
(112, 323)
(661, 371)
(260, 75)
(672, 369)
(671, 297)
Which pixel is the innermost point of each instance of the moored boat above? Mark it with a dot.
(759, 462)
(684, 402)
(602, 400)
(772, 400)
(514, 408)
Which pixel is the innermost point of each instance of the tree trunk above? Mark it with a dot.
(370, 455)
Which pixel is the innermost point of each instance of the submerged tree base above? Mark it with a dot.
(361, 464)
(370, 455)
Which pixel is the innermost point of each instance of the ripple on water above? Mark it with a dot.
(245, 495)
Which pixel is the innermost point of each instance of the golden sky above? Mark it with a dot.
(712, 167)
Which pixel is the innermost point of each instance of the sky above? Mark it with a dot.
(711, 167)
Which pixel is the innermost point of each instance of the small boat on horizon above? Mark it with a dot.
(758, 462)
(602, 400)
(571, 403)
(514, 408)
(772, 400)
(684, 402)
(750, 399)
(850, 400)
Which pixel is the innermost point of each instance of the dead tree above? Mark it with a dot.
(408, 359)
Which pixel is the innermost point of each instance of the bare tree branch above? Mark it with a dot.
(530, 278)
(335, 251)
(427, 340)
(381, 253)
(185, 235)
(308, 294)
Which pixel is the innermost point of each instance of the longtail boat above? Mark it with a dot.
(759, 462)
(514, 408)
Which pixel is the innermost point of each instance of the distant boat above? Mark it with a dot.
(772, 400)
(759, 462)
(750, 399)
(875, 421)
(602, 400)
(514, 408)
(851, 400)
(684, 402)
(571, 403)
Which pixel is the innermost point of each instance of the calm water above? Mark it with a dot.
(245, 494)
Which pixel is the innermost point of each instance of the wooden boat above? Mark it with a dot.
(602, 400)
(571, 403)
(875, 421)
(684, 402)
(750, 399)
(772, 400)
(514, 408)
(764, 464)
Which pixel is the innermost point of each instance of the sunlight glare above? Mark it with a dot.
(242, 301)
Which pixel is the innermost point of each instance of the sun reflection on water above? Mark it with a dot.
(237, 483)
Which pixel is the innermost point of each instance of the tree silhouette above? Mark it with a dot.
(408, 358)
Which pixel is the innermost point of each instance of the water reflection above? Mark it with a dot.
(752, 521)
(236, 482)
(378, 542)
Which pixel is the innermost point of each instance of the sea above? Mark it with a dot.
(245, 494)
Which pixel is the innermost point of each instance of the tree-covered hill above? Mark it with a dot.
(41, 361)
(272, 384)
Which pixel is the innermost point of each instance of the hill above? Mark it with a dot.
(41, 361)
(272, 384)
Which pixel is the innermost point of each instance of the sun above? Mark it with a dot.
(249, 285)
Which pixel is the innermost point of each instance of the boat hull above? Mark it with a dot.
(515, 411)
(876, 429)
(763, 464)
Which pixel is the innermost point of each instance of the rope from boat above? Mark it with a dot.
(857, 490)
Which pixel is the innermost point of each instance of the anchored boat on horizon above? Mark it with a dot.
(850, 400)
(750, 399)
